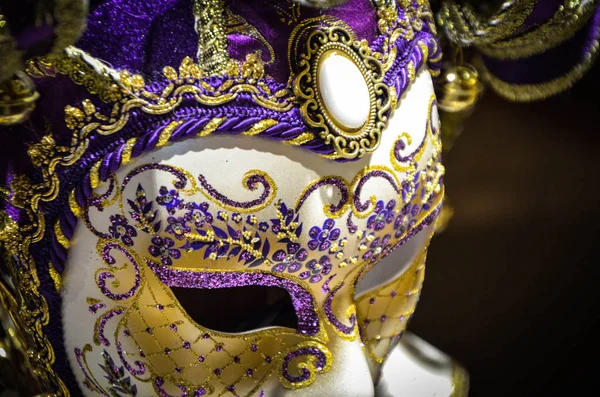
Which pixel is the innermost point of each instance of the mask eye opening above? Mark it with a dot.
(238, 309)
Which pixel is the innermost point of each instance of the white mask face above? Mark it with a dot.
(193, 282)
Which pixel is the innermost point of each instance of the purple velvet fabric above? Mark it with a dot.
(144, 36)
(551, 64)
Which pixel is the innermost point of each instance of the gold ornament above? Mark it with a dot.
(17, 99)
(458, 90)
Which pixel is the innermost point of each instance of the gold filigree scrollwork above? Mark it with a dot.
(347, 143)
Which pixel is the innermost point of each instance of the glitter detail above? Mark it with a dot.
(105, 274)
(347, 330)
(99, 337)
(319, 361)
(308, 320)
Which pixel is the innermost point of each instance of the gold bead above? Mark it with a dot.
(17, 99)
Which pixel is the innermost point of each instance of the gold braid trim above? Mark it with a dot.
(464, 26)
(562, 26)
(534, 92)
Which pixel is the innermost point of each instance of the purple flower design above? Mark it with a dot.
(120, 228)
(169, 199)
(316, 270)
(406, 219)
(290, 259)
(382, 216)
(177, 227)
(263, 226)
(198, 213)
(322, 237)
(236, 217)
(377, 247)
(163, 249)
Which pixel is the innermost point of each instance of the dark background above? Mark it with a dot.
(511, 289)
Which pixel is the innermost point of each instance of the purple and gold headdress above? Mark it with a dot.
(146, 74)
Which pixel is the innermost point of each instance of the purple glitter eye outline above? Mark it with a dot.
(302, 300)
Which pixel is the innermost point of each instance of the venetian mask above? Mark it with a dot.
(237, 201)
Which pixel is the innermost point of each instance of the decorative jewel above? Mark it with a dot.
(330, 54)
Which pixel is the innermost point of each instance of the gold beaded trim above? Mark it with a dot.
(533, 92)
(464, 26)
(570, 17)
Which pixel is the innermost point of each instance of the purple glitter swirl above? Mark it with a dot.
(359, 186)
(251, 183)
(102, 324)
(320, 363)
(104, 276)
(141, 368)
(343, 328)
(332, 181)
(302, 300)
(179, 184)
(96, 200)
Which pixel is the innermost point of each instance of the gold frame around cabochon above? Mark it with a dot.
(347, 143)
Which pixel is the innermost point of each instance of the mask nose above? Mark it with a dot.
(349, 376)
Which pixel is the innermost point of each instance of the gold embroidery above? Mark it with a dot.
(464, 26)
(212, 125)
(56, 278)
(290, 14)
(73, 205)
(301, 139)
(236, 24)
(60, 236)
(569, 18)
(533, 92)
(212, 40)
